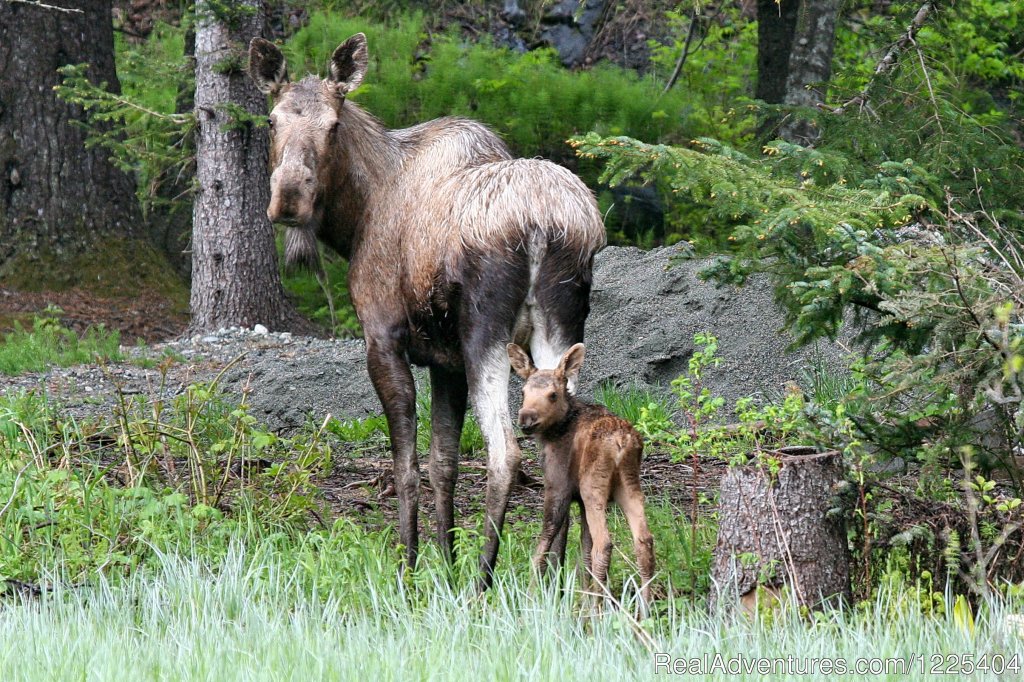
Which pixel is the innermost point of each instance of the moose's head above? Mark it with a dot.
(303, 123)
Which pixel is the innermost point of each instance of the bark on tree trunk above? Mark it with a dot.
(810, 66)
(56, 196)
(779, 533)
(776, 25)
(235, 279)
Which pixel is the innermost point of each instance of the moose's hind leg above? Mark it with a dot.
(493, 295)
(488, 386)
(630, 499)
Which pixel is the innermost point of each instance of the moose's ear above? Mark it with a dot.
(349, 62)
(570, 365)
(267, 66)
(521, 362)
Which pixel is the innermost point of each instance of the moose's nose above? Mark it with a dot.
(288, 204)
(527, 420)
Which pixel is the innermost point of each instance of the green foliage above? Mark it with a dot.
(140, 126)
(824, 385)
(719, 73)
(275, 609)
(471, 440)
(761, 430)
(110, 497)
(322, 298)
(792, 213)
(367, 429)
(229, 12)
(962, 389)
(371, 433)
(49, 343)
(952, 104)
(630, 402)
(530, 99)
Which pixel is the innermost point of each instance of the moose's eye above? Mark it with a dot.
(553, 397)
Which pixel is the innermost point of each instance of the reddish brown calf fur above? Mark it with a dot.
(590, 456)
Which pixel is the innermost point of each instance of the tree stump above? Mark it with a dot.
(775, 532)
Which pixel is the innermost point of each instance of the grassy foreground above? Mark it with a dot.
(133, 549)
(337, 612)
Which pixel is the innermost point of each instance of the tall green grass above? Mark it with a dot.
(48, 343)
(628, 401)
(258, 616)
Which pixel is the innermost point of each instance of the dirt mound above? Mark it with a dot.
(645, 310)
(646, 307)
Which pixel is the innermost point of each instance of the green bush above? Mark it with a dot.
(49, 343)
(528, 98)
(110, 495)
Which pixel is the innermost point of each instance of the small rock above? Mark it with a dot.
(260, 330)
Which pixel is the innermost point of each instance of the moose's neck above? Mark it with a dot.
(366, 157)
(371, 151)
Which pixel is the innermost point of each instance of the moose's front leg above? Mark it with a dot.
(396, 389)
(488, 374)
(447, 410)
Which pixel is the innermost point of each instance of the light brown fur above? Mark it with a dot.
(590, 456)
(455, 249)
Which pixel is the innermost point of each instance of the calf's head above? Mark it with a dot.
(303, 126)
(546, 395)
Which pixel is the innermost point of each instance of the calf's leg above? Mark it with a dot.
(595, 501)
(631, 500)
(557, 552)
(556, 523)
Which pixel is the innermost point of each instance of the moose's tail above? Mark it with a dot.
(535, 214)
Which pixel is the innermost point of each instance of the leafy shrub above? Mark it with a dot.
(141, 126)
(110, 496)
(529, 98)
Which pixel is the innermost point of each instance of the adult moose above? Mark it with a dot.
(455, 250)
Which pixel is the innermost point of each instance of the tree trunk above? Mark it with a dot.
(235, 280)
(776, 26)
(810, 66)
(776, 533)
(58, 199)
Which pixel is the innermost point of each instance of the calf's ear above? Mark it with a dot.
(521, 362)
(570, 365)
(349, 63)
(267, 66)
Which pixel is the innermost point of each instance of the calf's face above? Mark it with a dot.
(546, 396)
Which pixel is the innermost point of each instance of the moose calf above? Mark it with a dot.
(590, 456)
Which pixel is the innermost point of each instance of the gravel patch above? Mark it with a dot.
(645, 310)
